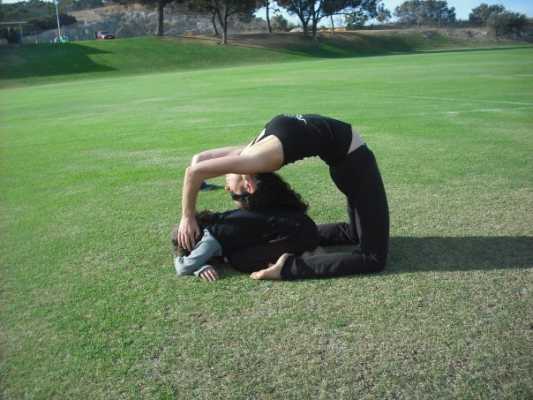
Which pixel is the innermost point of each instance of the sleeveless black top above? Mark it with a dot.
(310, 135)
(238, 229)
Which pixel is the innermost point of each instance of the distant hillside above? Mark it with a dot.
(37, 64)
(134, 20)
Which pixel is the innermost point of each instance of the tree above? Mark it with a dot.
(355, 20)
(507, 23)
(214, 22)
(383, 14)
(86, 4)
(312, 11)
(481, 14)
(221, 10)
(280, 23)
(65, 5)
(160, 4)
(301, 9)
(24, 10)
(160, 13)
(267, 4)
(425, 12)
(407, 12)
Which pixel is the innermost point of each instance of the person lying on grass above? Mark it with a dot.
(268, 223)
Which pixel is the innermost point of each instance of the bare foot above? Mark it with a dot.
(273, 272)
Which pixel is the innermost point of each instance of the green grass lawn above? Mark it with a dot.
(91, 174)
(51, 63)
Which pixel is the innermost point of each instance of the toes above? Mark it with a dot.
(256, 275)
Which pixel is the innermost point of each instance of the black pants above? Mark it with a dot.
(304, 237)
(358, 177)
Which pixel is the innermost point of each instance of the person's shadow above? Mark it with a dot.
(409, 254)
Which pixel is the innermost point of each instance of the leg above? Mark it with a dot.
(339, 233)
(260, 256)
(359, 179)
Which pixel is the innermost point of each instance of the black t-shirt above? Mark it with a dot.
(310, 135)
(238, 229)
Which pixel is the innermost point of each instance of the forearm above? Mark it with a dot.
(191, 186)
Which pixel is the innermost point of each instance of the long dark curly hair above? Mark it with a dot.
(273, 192)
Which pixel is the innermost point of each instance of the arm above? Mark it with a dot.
(216, 153)
(197, 173)
(188, 225)
(196, 262)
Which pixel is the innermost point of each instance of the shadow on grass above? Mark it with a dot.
(42, 60)
(354, 45)
(503, 48)
(408, 254)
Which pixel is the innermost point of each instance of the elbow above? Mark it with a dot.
(180, 267)
(194, 174)
(179, 271)
(189, 173)
(196, 158)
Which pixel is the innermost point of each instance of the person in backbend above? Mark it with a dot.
(353, 168)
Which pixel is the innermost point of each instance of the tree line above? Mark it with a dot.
(356, 13)
(437, 12)
(310, 13)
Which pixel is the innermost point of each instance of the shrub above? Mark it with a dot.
(507, 23)
(37, 25)
(279, 23)
(355, 20)
(481, 14)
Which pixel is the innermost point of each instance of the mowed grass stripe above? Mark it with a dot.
(93, 174)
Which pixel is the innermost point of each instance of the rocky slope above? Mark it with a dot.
(138, 20)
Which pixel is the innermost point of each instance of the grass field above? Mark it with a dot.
(91, 173)
(50, 63)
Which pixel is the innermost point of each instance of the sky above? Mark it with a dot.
(462, 7)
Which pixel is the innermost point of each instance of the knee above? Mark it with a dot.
(308, 239)
(380, 266)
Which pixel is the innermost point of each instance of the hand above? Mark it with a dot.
(188, 233)
(209, 274)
